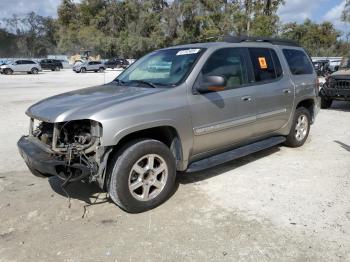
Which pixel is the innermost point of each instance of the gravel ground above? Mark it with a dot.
(280, 204)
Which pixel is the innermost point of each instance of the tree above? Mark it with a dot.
(318, 39)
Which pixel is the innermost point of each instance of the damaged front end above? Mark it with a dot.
(70, 150)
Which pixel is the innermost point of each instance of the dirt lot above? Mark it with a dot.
(281, 204)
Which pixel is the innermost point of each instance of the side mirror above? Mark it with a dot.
(211, 84)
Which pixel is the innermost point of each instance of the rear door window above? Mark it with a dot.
(266, 65)
(299, 63)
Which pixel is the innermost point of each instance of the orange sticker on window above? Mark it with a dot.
(262, 63)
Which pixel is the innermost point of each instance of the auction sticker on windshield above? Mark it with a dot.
(188, 51)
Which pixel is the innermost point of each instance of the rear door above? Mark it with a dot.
(301, 69)
(274, 92)
(224, 118)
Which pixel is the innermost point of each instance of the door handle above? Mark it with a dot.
(287, 91)
(246, 98)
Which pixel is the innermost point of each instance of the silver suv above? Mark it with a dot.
(95, 66)
(27, 66)
(183, 108)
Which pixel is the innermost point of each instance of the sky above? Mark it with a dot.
(293, 10)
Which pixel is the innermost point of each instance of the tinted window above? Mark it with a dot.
(229, 63)
(266, 65)
(298, 62)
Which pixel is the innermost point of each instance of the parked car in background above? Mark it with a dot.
(51, 64)
(95, 66)
(65, 64)
(117, 63)
(216, 102)
(28, 66)
(337, 85)
(322, 67)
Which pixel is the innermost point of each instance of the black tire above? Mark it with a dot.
(83, 70)
(101, 70)
(292, 140)
(326, 102)
(8, 71)
(57, 68)
(34, 71)
(119, 173)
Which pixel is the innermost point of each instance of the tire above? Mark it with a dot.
(34, 71)
(101, 70)
(326, 102)
(83, 70)
(57, 68)
(300, 128)
(8, 71)
(122, 175)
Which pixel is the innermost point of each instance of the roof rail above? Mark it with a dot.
(274, 41)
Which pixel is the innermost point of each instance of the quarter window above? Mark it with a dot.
(229, 63)
(266, 65)
(298, 62)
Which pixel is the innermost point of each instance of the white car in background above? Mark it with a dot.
(95, 66)
(28, 66)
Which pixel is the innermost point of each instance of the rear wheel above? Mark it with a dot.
(300, 128)
(57, 68)
(142, 176)
(34, 70)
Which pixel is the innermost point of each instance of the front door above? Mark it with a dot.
(223, 118)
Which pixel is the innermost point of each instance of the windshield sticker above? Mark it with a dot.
(262, 63)
(188, 51)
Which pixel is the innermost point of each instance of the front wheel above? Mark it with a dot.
(300, 128)
(101, 70)
(142, 176)
(8, 71)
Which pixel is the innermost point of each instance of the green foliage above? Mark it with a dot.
(131, 28)
(318, 39)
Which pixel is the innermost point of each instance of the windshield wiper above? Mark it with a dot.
(145, 83)
(118, 81)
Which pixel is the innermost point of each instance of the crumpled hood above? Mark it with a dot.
(83, 103)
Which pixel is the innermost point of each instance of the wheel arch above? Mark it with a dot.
(166, 134)
(310, 105)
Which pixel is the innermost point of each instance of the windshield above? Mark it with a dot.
(161, 68)
(345, 63)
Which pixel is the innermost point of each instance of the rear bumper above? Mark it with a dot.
(39, 158)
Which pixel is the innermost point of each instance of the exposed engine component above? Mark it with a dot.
(75, 143)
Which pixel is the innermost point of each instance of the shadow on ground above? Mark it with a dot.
(343, 106)
(91, 194)
(345, 146)
(188, 178)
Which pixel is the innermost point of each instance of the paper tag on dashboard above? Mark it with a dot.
(188, 51)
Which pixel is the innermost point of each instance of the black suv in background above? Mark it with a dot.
(117, 63)
(51, 64)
